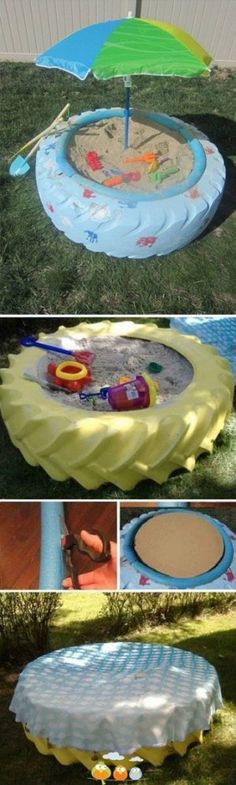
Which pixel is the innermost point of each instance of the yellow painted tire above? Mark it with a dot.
(153, 755)
(118, 447)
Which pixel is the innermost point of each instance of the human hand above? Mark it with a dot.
(102, 577)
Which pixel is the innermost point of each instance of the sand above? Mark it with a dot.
(115, 357)
(106, 139)
(179, 545)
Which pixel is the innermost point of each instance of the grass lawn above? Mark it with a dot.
(213, 476)
(43, 272)
(211, 636)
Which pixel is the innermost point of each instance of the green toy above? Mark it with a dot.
(157, 177)
(154, 368)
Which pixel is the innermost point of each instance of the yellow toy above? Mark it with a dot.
(124, 379)
(153, 166)
(72, 371)
(101, 772)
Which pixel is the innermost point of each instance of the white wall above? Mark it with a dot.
(27, 27)
(211, 22)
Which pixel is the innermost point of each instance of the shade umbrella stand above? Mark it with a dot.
(127, 83)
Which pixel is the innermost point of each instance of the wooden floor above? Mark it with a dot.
(20, 537)
(19, 545)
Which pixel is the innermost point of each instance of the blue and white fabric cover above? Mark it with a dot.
(116, 696)
(218, 331)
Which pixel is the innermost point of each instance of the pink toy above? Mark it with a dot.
(87, 193)
(132, 395)
(84, 357)
(93, 161)
(137, 393)
(149, 241)
(133, 176)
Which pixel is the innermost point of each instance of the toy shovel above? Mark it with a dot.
(82, 356)
(20, 164)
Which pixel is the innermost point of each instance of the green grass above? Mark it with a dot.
(211, 636)
(213, 476)
(43, 272)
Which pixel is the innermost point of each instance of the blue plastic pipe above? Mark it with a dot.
(172, 505)
(52, 569)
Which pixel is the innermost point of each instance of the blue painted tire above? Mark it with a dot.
(125, 224)
(177, 583)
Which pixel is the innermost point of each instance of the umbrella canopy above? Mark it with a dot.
(125, 47)
(122, 47)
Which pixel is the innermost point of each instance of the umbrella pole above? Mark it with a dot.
(127, 81)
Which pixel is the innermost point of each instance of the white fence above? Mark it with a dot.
(27, 27)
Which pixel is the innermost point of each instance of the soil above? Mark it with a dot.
(106, 139)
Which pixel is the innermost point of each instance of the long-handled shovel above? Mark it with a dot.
(19, 164)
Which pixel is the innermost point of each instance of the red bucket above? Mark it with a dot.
(131, 395)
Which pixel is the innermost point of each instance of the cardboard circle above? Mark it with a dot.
(179, 545)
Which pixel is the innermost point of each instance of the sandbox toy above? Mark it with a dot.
(146, 428)
(126, 182)
(116, 704)
(177, 549)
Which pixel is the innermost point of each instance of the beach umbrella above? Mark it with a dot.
(125, 47)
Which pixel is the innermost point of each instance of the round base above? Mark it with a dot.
(181, 549)
(179, 545)
(129, 224)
